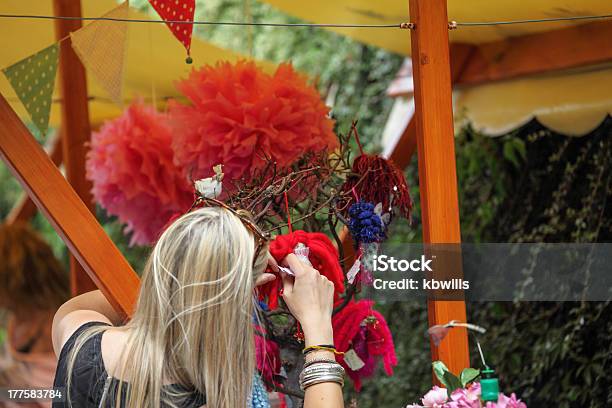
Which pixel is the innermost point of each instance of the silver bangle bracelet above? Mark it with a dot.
(318, 370)
(321, 372)
(320, 380)
(324, 366)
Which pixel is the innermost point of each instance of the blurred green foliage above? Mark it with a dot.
(531, 185)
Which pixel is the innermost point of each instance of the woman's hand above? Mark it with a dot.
(268, 277)
(310, 298)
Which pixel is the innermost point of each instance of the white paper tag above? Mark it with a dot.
(353, 361)
(302, 252)
(286, 270)
(352, 273)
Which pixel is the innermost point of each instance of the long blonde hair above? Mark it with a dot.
(193, 321)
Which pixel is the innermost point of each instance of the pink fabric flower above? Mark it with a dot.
(466, 397)
(435, 398)
(131, 165)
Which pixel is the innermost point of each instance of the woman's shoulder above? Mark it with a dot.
(65, 326)
(112, 343)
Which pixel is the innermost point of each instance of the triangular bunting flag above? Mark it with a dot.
(33, 79)
(177, 10)
(101, 47)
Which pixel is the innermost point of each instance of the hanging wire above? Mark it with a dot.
(226, 23)
(535, 20)
(402, 25)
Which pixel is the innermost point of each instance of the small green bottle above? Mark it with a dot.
(489, 385)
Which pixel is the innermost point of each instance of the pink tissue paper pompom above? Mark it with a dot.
(131, 165)
(236, 114)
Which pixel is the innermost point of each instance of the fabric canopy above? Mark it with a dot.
(396, 11)
(572, 103)
(155, 59)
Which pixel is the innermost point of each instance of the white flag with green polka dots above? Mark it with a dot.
(33, 79)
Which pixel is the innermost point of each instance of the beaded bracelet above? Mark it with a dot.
(324, 347)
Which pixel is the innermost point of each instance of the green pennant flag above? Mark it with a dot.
(33, 79)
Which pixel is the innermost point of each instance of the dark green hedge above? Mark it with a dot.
(529, 186)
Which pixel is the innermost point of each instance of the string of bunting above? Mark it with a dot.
(101, 47)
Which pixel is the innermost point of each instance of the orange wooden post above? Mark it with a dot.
(75, 122)
(72, 220)
(436, 152)
(25, 208)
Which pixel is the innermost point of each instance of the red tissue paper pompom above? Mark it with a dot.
(377, 180)
(360, 328)
(323, 256)
(237, 114)
(134, 177)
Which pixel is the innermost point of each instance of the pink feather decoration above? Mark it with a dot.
(371, 341)
(237, 113)
(134, 176)
(267, 355)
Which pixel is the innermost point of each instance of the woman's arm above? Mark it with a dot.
(329, 394)
(88, 307)
(310, 298)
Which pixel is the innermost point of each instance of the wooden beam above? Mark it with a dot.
(437, 167)
(564, 48)
(25, 208)
(406, 145)
(75, 122)
(68, 215)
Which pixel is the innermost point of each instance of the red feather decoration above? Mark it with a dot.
(377, 180)
(357, 326)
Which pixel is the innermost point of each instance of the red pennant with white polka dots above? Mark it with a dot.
(172, 11)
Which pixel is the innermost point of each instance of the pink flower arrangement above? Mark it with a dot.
(468, 397)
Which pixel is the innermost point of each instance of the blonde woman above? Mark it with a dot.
(190, 340)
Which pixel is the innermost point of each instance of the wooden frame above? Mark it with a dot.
(437, 168)
(25, 209)
(64, 209)
(75, 123)
(565, 48)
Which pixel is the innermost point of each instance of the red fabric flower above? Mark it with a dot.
(357, 326)
(237, 113)
(134, 177)
(322, 254)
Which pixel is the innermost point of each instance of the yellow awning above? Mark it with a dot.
(155, 59)
(396, 11)
(572, 103)
(568, 102)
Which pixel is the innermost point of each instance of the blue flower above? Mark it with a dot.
(365, 225)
